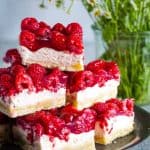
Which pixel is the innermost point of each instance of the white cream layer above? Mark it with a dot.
(89, 96)
(115, 124)
(50, 58)
(26, 98)
(75, 141)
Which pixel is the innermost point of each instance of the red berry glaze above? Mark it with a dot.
(6, 81)
(35, 78)
(4, 70)
(111, 108)
(55, 80)
(78, 121)
(36, 71)
(23, 81)
(104, 71)
(44, 24)
(36, 35)
(58, 40)
(74, 28)
(6, 84)
(59, 27)
(44, 33)
(12, 56)
(81, 80)
(66, 120)
(111, 68)
(30, 24)
(17, 69)
(74, 44)
(28, 39)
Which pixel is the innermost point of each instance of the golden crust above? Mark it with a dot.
(108, 138)
(45, 104)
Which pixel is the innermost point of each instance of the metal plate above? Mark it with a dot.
(142, 131)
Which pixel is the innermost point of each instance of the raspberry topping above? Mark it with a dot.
(59, 27)
(6, 80)
(54, 80)
(6, 83)
(44, 32)
(111, 108)
(80, 80)
(23, 81)
(43, 123)
(12, 56)
(36, 71)
(78, 121)
(74, 28)
(68, 120)
(100, 67)
(34, 78)
(58, 40)
(30, 24)
(74, 44)
(28, 39)
(4, 70)
(17, 69)
(17, 77)
(35, 35)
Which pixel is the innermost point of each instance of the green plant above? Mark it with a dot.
(123, 24)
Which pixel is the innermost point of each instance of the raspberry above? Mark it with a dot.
(44, 33)
(96, 65)
(4, 70)
(6, 81)
(17, 69)
(59, 27)
(28, 40)
(30, 24)
(113, 70)
(99, 107)
(51, 82)
(12, 56)
(62, 76)
(74, 44)
(23, 81)
(3, 91)
(74, 28)
(12, 91)
(58, 40)
(101, 77)
(36, 71)
(85, 121)
(68, 113)
(81, 80)
(43, 25)
(44, 43)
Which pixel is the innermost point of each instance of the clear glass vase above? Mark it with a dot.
(132, 53)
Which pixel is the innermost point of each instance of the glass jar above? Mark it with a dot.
(132, 54)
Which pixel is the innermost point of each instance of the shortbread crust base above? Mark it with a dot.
(45, 104)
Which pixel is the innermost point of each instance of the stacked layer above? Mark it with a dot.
(25, 90)
(63, 110)
(51, 47)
